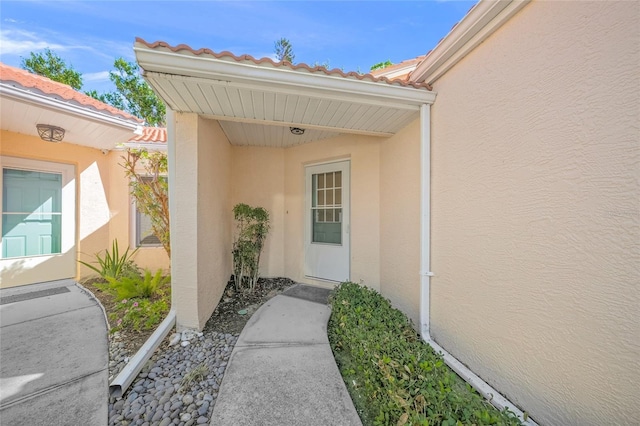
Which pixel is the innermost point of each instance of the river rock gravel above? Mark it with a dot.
(178, 385)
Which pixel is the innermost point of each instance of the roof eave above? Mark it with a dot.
(481, 21)
(23, 95)
(152, 146)
(253, 75)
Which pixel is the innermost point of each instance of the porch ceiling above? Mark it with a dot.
(256, 101)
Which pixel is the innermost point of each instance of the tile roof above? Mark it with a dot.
(151, 135)
(60, 91)
(284, 64)
(411, 64)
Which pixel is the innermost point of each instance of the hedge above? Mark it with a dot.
(394, 378)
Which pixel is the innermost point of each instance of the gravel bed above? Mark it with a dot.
(118, 355)
(177, 386)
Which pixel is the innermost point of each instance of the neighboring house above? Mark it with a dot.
(66, 199)
(504, 219)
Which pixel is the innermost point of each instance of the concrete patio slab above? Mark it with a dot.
(282, 371)
(54, 356)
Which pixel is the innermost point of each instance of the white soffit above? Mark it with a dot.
(250, 134)
(256, 103)
(21, 110)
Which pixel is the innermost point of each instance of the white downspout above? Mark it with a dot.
(425, 218)
(469, 376)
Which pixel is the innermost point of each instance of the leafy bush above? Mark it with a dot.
(139, 314)
(252, 227)
(393, 376)
(132, 286)
(113, 264)
(148, 184)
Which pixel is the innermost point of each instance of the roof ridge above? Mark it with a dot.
(282, 64)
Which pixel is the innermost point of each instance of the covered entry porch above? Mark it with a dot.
(316, 148)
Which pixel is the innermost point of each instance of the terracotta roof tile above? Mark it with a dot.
(404, 64)
(408, 64)
(283, 64)
(151, 135)
(51, 88)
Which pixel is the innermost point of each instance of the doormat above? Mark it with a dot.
(33, 295)
(310, 293)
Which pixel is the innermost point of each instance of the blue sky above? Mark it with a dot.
(350, 35)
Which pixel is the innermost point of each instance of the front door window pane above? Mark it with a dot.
(326, 208)
(31, 213)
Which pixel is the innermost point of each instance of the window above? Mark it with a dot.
(142, 231)
(326, 208)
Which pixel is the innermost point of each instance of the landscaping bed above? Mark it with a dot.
(394, 378)
(229, 317)
(130, 338)
(179, 384)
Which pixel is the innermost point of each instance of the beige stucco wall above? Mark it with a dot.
(269, 177)
(102, 201)
(92, 172)
(400, 220)
(201, 218)
(258, 180)
(535, 220)
(274, 178)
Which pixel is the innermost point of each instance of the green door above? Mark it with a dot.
(31, 213)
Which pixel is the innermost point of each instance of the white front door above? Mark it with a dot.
(327, 251)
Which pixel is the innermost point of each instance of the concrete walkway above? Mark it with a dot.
(53, 356)
(282, 371)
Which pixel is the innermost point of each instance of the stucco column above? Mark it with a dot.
(200, 217)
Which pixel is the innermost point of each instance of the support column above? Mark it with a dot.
(199, 182)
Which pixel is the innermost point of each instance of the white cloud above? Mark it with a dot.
(17, 42)
(96, 76)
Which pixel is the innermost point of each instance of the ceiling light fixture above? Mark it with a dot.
(296, 131)
(50, 133)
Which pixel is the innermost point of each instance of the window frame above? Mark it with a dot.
(68, 198)
(134, 223)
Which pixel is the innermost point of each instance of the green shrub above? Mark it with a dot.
(139, 314)
(132, 286)
(393, 376)
(113, 264)
(252, 227)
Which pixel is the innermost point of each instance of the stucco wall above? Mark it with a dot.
(201, 218)
(400, 220)
(364, 154)
(535, 220)
(92, 189)
(269, 177)
(258, 180)
(102, 198)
